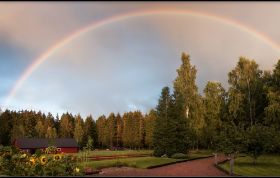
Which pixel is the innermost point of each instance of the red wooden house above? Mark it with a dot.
(64, 145)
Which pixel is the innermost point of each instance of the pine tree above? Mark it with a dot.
(112, 129)
(79, 130)
(119, 130)
(66, 126)
(88, 129)
(180, 132)
(100, 127)
(161, 130)
(149, 128)
(5, 127)
(128, 130)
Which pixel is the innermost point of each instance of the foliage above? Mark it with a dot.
(89, 145)
(246, 94)
(51, 150)
(163, 135)
(272, 111)
(213, 103)
(231, 139)
(259, 139)
(78, 129)
(189, 102)
(14, 162)
(149, 125)
(267, 165)
(179, 156)
(192, 120)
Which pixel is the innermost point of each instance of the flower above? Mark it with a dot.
(23, 155)
(32, 160)
(43, 160)
(77, 170)
(57, 157)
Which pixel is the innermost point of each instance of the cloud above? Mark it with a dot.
(123, 66)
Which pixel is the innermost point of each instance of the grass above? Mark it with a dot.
(143, 162)
(266, 165)
(200, 154)
(118, 152)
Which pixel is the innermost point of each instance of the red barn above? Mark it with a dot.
(64, 145)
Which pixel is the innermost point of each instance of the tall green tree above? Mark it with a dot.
(112, 129)
(119, 130)
(5, 127)
(246, 92)
(51, 132)
(272, 111)
(185, 88)
(66, 125)
(90, 130)
(180, 132)
(127, 134)
(258, 138)
(41, 132)
(133, 129)
(79, 129)
(162, 131)
(231, 141)
(100, 127)
(213, 102)
(149, 128)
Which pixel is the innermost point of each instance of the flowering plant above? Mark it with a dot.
(14, 162)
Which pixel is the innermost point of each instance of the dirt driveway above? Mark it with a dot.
(199, 167)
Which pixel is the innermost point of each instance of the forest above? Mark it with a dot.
(243, 118)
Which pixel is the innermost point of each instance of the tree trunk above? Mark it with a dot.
(231, 162)
(250, 105)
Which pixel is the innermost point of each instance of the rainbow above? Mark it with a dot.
(43, 57)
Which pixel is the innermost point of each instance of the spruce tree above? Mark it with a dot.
(161, 130)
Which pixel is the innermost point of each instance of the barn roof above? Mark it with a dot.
(43, 142)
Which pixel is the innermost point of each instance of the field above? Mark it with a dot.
(140, 162)
(266, 165)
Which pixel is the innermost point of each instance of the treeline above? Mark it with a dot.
(245, 117)
(132, 130)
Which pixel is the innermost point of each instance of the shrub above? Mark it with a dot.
(14, 162)
(179, 156)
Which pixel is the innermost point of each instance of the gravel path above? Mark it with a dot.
(199, 167)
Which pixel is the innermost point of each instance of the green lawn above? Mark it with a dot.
(118, 152)
(267, 165)
(142, 162)
(200, 153)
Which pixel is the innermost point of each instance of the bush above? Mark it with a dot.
(179, 156)
(14, 162)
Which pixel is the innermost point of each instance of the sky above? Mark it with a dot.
(123, 63)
